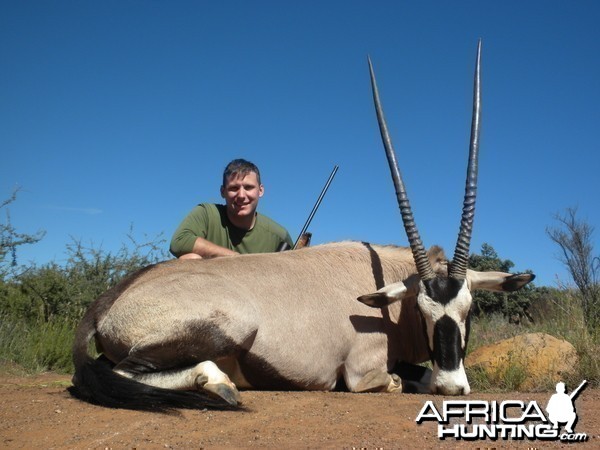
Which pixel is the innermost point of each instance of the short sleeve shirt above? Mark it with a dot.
(210, 221)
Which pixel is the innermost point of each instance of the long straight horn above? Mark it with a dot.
(418, 251)
(458, 268)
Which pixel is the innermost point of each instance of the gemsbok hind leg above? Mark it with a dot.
(203, 376)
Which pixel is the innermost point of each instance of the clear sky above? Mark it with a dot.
(125, 112)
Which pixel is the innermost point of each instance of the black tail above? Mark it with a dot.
(96, 382)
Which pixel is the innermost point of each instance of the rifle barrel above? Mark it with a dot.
(314, 210)
(576, 391)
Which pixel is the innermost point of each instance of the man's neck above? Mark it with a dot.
(244, 223)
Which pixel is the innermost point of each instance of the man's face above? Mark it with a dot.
(241, 194)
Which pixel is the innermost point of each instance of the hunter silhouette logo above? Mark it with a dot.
(508, 419)
(561, 407)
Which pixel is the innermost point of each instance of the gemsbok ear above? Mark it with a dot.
(497, 281)
(385, 296)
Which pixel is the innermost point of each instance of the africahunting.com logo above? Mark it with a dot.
(509, 419)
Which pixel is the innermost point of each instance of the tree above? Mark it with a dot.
(51, 290)
(10, 239)
(574, 237)
(512, 305)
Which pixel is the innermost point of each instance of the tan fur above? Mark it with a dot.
(297, 310)
(438, 260)
(291, 316)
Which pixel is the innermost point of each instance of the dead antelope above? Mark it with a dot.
(190, 333)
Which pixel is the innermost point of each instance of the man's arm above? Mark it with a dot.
(189, 238)
(207, 249)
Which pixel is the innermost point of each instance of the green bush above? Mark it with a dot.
(51, 290)
(40, 307)
(513, 305)
(555, 312)
(37, 345)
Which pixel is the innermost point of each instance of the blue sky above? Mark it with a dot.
(115, 113)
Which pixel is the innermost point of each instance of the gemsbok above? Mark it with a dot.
(191, 333)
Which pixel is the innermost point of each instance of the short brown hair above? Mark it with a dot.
(239, 167)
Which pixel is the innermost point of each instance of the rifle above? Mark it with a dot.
(576, 391)
(304, 237)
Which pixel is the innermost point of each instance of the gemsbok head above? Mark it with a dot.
(444, 299)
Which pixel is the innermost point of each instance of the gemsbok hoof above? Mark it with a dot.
(230, 394)
(378, 381)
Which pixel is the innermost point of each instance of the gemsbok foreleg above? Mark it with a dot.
(203, 376)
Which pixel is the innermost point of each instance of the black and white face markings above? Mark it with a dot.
(445, 305)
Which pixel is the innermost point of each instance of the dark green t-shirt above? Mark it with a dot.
(210, 221)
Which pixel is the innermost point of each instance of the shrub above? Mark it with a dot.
(513, 305)
(40, 308)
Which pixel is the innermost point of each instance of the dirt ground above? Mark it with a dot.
(38, 412)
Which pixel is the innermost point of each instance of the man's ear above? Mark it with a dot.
(385, 296)
(222, 191)
(261, 191)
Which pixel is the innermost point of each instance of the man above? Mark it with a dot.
(561, 409)
(212, 230)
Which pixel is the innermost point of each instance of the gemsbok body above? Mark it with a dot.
(191, 333)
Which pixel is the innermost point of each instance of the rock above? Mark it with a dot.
(530, 361)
